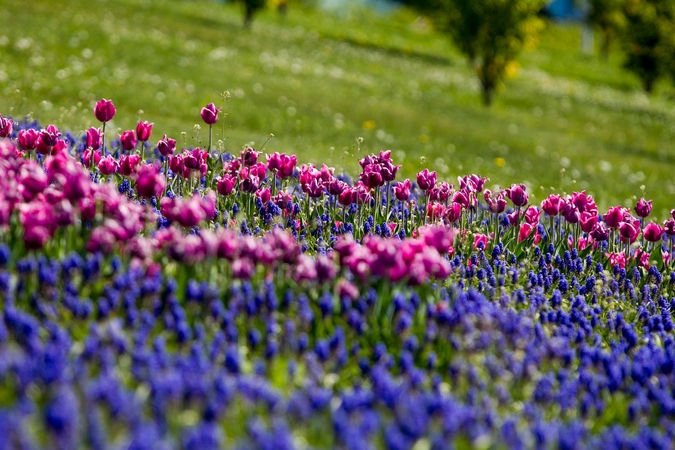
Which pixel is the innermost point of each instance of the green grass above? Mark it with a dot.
(315, 79)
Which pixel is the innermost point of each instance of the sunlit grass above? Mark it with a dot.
(317, 81)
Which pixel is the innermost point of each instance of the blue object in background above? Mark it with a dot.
(566, 10)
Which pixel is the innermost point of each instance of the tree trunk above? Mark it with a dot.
(487, 95)
(248, 16)
(283, 9)
(605, 45)
(648, 84)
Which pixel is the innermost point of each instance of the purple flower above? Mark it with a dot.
(210, 114)
(166, 146)
(426, 180)
(104, 110)
(5, 126)
(143, 131)
(28, 139)
(517, 193)
(643, 208)
(128, 140)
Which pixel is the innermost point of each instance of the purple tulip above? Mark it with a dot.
(643, 207)
(426, 180)
(107, 165)
(149, 182)
(143, 131)
(552, 205)
(653, 232)
(166, 146)
(249, 156)
(402, 190)
(517, 193)
(496, 202)
(5, 126)
(210, 114)
(225, 184)
(28, 139)
(600, 232)
(104, 110)
(453, 212)
(128, 140)
(94, 138)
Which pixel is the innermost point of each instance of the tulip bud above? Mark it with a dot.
(210, 114)
(28, 139)
(94, 138)
(166, 146)
(107, 165)
(6, 125)
(128, 140)
(402, 190)
(104, 110)
(517, 193)
(149, 182)
(143, 131)
(653, 232)
(225, 184)
(643, 208)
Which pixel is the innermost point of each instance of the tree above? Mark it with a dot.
(250, 8)
(608, 15)
(491, 33)
(648, 40)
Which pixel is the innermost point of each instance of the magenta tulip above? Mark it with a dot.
(210, 114)
(104, 110)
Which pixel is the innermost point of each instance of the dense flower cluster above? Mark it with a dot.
(157, 297)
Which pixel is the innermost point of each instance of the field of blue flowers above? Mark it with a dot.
(159, 297)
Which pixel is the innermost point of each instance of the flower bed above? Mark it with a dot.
(156, 297)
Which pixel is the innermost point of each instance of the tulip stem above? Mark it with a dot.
(552, 235)
(210, 137)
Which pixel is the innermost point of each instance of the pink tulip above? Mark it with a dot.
(653, 232)
(28, 139)
(94, 138)
(402, 190)
(496, 202)
(128, 140)
(143, 131)
(149, 182)
(166, 146)
(643, 208)
(629, 231)
(517, 193)
(600, 232)
(552, 205)
(588, 221)
(225, 184)
(107, 165)
(209, 114)
(6, 125)
(88, 154)
(128, 164)
(614, 217)
(104, 110)
(426, 180)
(453, 212)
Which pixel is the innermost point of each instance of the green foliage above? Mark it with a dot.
(251, 7)
(608, 15)
(319, 80)
(491, 33)
(648, 39)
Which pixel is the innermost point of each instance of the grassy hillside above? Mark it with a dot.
(318, 81)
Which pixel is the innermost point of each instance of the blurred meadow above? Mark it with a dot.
(320, 79)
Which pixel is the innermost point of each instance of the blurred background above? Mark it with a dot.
(580, 92)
